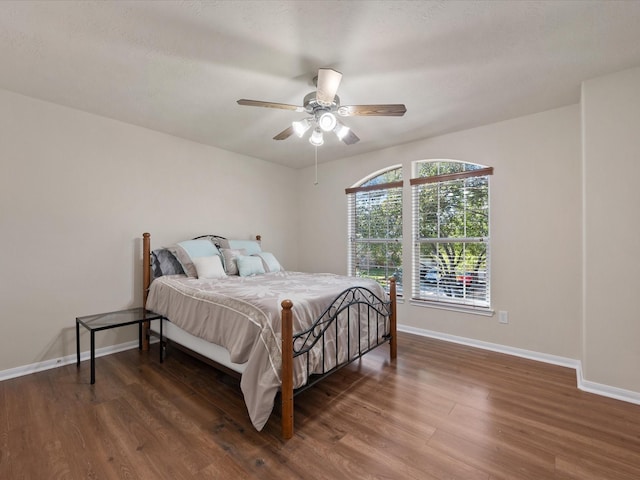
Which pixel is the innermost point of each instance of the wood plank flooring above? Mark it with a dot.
(440, 411)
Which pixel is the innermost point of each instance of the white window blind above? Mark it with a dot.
(375, 230)
(450, 205)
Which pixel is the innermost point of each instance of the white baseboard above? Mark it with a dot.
(59, 362)
(494, 347)
(606, 390)
(585, 385)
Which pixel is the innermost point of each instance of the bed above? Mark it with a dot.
(280, 331)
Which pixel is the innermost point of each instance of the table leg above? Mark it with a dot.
(77, 343)
(93, 357)
(139, 335)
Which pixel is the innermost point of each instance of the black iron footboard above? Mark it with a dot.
(332, 336)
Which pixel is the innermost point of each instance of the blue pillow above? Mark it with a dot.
(187, 250)
(248, 266)
(251, 246)
(199, 248)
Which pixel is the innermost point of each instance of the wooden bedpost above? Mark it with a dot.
(393, 325)
(287, 369)
(146, 281)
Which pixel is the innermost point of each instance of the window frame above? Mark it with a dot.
(470, 289)
(396, 188)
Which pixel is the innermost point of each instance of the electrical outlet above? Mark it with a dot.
(503, 317)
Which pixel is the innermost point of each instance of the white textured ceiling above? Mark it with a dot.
(179, 66)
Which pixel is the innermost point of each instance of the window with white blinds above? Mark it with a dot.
(451, 234)
(375, 227)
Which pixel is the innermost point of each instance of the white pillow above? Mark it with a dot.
(209, 267)
(187, 250)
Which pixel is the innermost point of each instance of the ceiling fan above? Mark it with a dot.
(323, 107)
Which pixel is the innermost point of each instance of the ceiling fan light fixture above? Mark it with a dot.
(341, 130)
(300, 127)
(316, 139)
(327, 121)
(322, 108)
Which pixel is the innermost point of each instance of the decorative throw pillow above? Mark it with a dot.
(230, 255)
(184, 259)
(186, 251)
(248, 266)
(163, 262)
(251, 246)
(209, 267)
(269, 262)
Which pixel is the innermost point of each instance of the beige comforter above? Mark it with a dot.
(242, 314)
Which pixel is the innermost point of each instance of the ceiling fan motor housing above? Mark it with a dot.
(311, 104)
(313, 107)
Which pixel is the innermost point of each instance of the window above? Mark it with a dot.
(375, 226)
(451, 234)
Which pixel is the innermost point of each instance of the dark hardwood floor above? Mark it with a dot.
(441, 411)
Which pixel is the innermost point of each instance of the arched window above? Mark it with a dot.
(451, 233)
(375, 226)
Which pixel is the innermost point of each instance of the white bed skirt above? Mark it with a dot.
(207, 349)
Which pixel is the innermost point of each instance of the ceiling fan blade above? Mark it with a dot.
(350, 138)
(390, 110)
(258, 103)
(328, 83)
(286, 133)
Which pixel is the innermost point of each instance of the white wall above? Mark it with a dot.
(611, 121)
(76, 193)
(535, 227)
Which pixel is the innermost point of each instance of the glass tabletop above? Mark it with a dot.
(120, 317)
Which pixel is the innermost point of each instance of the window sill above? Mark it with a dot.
(483, 311)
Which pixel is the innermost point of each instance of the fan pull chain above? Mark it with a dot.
(316, 182)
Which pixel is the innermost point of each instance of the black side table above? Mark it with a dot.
(105, 321)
